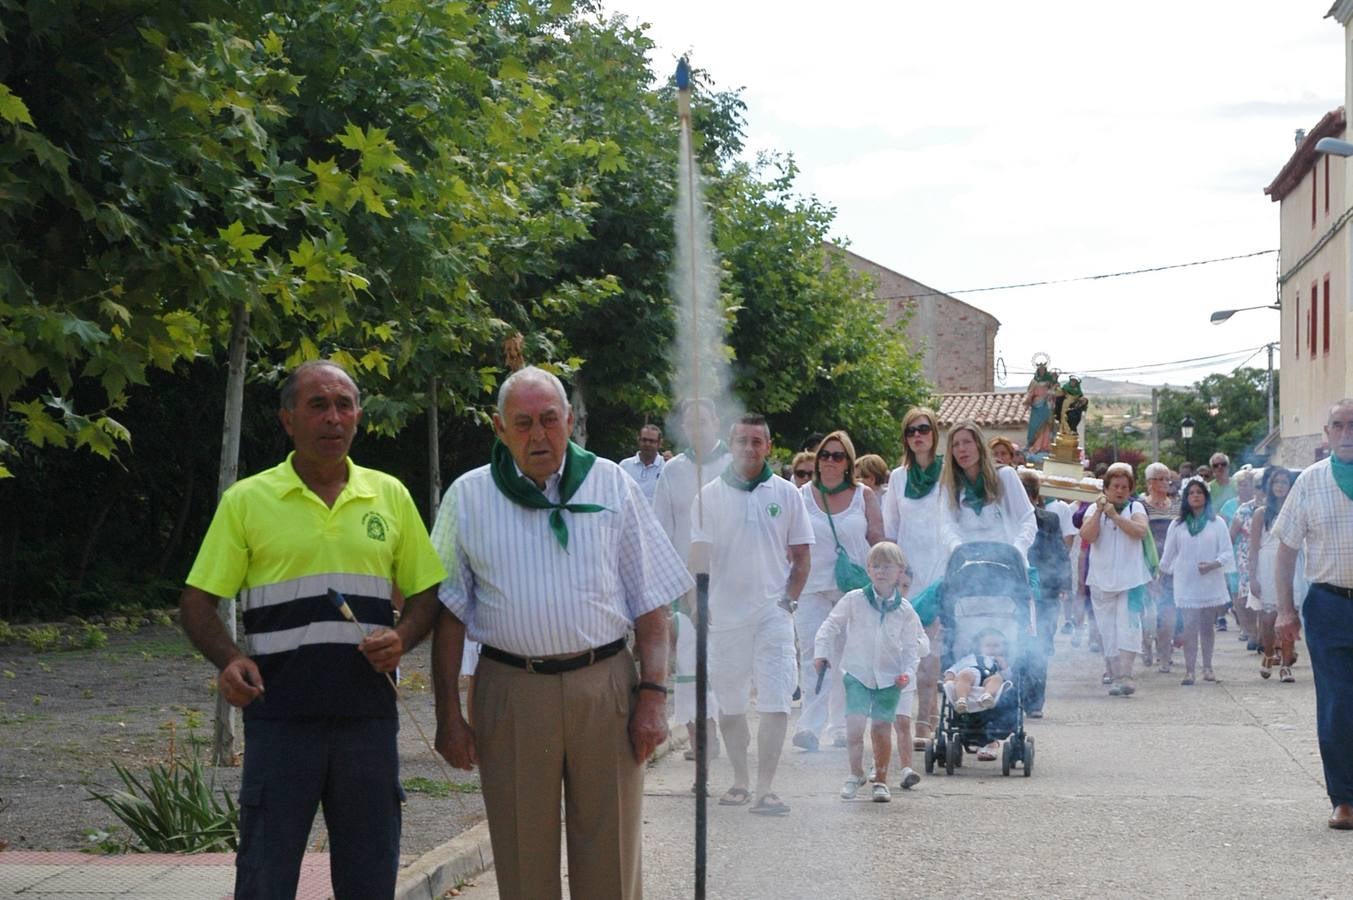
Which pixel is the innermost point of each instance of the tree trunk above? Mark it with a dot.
(434, 453)
(87, 554)
(180, 523)
(225, 741)
(579, 411)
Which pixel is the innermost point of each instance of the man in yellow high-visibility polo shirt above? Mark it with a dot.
(319, 716)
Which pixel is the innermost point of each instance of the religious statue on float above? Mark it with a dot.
(1039, 398)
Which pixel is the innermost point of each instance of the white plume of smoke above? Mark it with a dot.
(701, 356)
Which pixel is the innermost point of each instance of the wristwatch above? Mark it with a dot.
(653, 686)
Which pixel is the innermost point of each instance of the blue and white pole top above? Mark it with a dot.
(683, 80)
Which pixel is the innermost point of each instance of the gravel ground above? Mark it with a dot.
(66, 717)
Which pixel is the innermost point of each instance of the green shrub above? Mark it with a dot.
(88, 637)
(42, 637)
(176, 808)
(7, 633)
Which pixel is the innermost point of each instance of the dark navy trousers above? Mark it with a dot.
(350, 767)
(1329, 638)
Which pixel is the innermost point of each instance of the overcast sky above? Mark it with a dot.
(977, 144)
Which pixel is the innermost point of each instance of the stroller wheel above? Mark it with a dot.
(1028, 757)
(952, 757)
(1007, 756)
(930, 758)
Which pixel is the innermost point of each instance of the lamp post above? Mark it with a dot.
(1222, 315)
(1127, 432)
(1186, 432)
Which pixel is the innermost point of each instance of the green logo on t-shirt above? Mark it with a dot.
(375, 526)
(774, 510)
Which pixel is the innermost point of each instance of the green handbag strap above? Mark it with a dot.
(827, 507)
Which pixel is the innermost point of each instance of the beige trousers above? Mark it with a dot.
(541, 737)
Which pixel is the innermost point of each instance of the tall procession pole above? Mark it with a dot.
(683, 80)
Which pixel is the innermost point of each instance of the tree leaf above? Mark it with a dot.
(12, 108)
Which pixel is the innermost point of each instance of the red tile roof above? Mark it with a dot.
(1003, 409)
(1304, 157)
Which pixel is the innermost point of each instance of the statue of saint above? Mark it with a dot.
(1070, 405)
(1038, 398)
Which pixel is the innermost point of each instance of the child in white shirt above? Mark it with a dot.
(884, 641)
(984, 667)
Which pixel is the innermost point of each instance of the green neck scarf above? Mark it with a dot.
(732, 479)
(1196, 524)
(1343, 475)
(883, 606)
(523, 491)
(974, 492)
(1119, 507)
(718, 450)
(921, 482)
(843, 486)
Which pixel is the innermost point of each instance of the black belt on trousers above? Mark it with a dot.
(538, 666)
(1335, 589)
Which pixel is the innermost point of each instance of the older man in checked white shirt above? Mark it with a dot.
(553, 557)
(1319, 514)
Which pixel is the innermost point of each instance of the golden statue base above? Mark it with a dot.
(1063, 477)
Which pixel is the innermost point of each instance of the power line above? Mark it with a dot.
(1029, 284)
(1158, 367)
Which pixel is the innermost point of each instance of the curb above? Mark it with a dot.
(469, 853)
(442, 868)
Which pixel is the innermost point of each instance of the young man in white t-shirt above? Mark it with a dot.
(751, 529)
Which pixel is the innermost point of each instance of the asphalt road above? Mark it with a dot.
(1210, 790)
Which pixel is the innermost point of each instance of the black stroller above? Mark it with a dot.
(986, 587)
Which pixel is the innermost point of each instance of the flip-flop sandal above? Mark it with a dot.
(736, 796)
(769, 805)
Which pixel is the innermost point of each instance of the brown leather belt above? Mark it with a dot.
(1346, 593)
(554, 666)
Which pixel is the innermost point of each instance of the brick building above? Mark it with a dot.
(958, 340)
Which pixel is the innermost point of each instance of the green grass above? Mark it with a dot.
(438, 788)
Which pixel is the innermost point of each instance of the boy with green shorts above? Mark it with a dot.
(884, 641)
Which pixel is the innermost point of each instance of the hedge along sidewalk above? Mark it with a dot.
(469, 853)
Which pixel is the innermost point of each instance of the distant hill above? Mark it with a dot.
(1124, 390)
(1104, 388)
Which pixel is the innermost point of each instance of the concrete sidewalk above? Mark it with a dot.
(1213, 790)
(25, 873)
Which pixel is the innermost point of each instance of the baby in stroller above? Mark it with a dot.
(985, 667)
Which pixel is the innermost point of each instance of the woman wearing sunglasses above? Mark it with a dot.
(911, 515)
(844, 514)
(982, 502)
(802, 469)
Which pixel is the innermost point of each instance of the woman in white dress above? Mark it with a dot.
(1198, 554)
(1277, 484)
(911, 516)
(1114, 528)
(980, 502)
(856, 523)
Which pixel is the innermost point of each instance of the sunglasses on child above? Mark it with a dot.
(833, 455)
(922, 428)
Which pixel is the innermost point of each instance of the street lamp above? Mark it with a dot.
(1334, 146)
(1222, 315)
(1128, 431)
(1186, 432)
